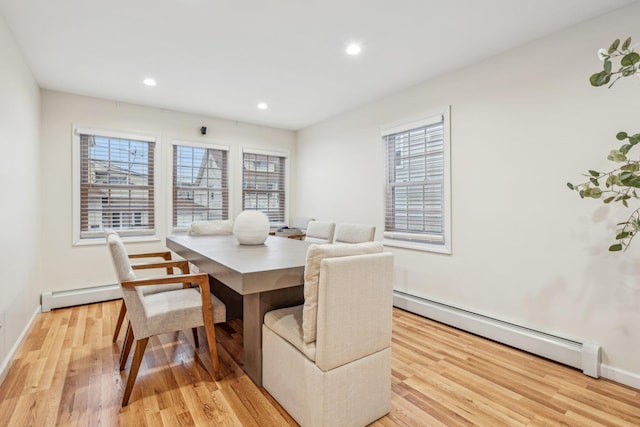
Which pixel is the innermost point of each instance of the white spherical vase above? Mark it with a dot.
(251, 228)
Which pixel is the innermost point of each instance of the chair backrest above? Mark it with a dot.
(132, 296)
(301, 222)
(315, 255)
(355, 303)
(211, 228)
(320, 232)
(354, 233)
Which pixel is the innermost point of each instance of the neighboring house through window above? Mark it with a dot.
(264, 183)
(200, 184)
(417, 199)
(114, 180)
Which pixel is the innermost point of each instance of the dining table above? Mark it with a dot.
(250, 279)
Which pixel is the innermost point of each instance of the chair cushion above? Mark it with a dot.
(315, 255)
(211, 228)
(287, 323)
(178, 310)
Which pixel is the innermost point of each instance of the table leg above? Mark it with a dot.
(254, 308)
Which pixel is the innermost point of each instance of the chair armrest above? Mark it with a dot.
(166, 255)
(297, 236)
(200, 279)
(163, 280)
(183, 265)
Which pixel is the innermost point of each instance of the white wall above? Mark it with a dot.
(525, 249)
(20, 212)
(65, 266)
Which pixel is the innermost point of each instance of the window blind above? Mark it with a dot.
(200, 184)
(414, 200)
(263, 184)
(116, 185)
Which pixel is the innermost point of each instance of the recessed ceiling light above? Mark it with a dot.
(149, 81)
(263, 106)
(354, 49)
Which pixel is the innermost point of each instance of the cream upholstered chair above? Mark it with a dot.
(320, 232)
(354, 233)
(147, 290)
(163, 312)
(328, 361)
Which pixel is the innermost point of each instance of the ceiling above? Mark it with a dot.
(221, 58)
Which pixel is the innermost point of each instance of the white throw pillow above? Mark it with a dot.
(315, 255)
(211, 228)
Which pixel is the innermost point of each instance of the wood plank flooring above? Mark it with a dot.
(66, 374)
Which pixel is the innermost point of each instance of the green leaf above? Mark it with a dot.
(625, 148)
(628, 71)
(631, 167)
(616, 156)
(600, 79)
(630, 59)
(621, 135)
(633, 140)
(626, 205)
(623, 235)
(607, 66)
(581, 193)
(594, 173)
(626, 44)
(570, 185)
(614, 46)
(609, 199)
(595, 193)
(616, 247)
(594, 182)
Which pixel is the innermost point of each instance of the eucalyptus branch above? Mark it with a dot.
(620, 183)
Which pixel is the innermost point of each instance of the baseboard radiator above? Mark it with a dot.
(51, 300)
(583, 356)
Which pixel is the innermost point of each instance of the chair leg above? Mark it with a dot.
(141, 345)
(210, 330)
(128, 341)
(123, 311)
(195, 337)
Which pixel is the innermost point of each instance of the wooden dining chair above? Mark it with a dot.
(148, 290)
(163, 312)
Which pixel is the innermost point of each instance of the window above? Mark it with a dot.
(200, 184)
(114, 184)
(417, 208)
(263, 184)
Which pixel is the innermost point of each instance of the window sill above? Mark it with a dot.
(127, 239)
(426, 247)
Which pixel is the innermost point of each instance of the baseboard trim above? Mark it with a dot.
(51, 300)
(620, 376)
(6, 363)
(584, 356)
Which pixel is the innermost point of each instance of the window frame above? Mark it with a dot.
(196, 144)
(287, 162)
(420, 241)
(78, 237)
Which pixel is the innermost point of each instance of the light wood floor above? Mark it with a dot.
(66, 373)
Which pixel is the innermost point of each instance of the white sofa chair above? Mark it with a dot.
(320, 232)
(328, 361)
(354, 233)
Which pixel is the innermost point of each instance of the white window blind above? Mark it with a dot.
(200, 184)
(415, 187)
(116, 185)
(263, 184)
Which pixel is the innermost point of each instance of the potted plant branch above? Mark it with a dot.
(621, 183)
